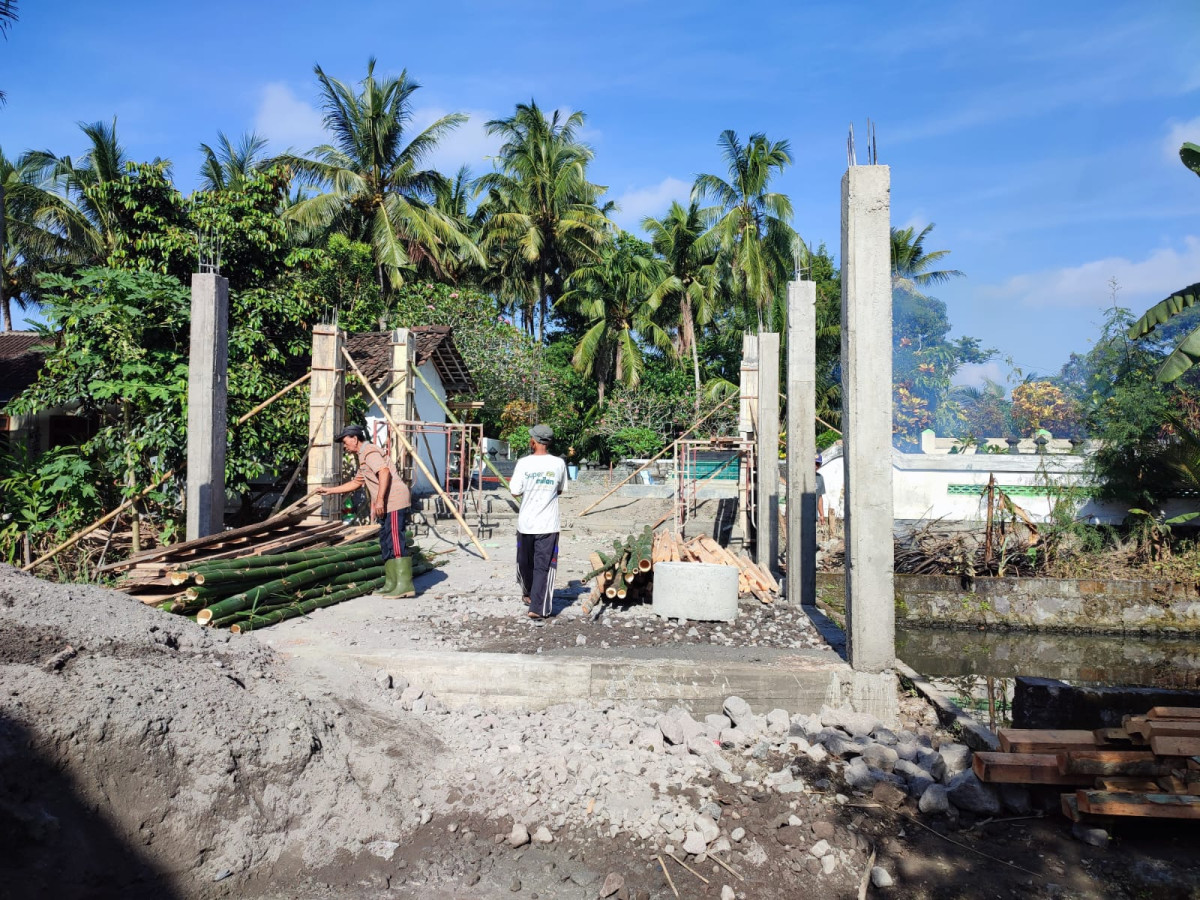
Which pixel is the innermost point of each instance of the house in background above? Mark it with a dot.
(22, 355)
(442, 365)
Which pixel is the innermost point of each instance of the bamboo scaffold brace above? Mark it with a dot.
(660, 454)
(415, 456)
(83, 532)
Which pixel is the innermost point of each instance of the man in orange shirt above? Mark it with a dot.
(390, 499)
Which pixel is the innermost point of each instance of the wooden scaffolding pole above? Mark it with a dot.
(415, 456)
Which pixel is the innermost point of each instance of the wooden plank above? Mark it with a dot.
(1022, 768)
(1173, 784)
(1070, 807)
(1121, 784)
(1044, 740)
(1133, 763)
(1157, 806)
(1137, 727)
(1112, 736)
(1174, 712)
(1174, 728)
(1175, 746)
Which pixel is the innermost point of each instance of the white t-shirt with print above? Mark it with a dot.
(539, 480)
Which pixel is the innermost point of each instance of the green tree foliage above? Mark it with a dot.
(690, 281)
(1187, 353)
(232, 165)
(374, 187)
(540, 217)
(751, 223)
(616, 297)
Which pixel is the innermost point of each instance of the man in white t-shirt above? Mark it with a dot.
(538, 479)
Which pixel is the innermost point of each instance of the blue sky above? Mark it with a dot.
(1040, 137)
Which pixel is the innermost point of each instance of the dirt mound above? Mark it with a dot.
(143, 755)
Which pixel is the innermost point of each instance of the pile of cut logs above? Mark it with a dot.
(627, 574)
(1150, 767)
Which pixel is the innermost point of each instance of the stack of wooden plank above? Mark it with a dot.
(627, 574)
(1150, 767)
(147, 575)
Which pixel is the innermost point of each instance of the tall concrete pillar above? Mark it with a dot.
(747, 428)
(767, 501)
(208, 383)
(802, 443)
(401, 399)
(867, 416)
(326, 414)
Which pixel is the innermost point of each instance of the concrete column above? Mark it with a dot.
(867, 416)
(208, 384)
(326, 414)
(802, 443)
(747, 427)
(401, 399)
(767, 501)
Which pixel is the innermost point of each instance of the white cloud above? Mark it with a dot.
(1087, 285)
(467, 145)
(1177, 133)
(977, 374)
(637, 203)
(286, 120)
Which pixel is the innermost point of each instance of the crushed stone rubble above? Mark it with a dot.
(470, 622)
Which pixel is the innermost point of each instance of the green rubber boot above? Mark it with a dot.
(389, 577)
(404, 582)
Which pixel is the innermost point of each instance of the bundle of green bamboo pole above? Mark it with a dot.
(253, 592)
(624, 574)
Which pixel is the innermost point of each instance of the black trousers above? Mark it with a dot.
(537, 564)
(391, 534)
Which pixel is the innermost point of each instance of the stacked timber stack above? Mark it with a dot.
(627, 574)
(1150, 767)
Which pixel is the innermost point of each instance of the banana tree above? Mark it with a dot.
(1187, 353)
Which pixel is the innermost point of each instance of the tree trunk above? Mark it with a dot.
(689, 337)
(541, 308)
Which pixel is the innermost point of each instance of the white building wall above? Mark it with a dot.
(928, 487)
(430, 447)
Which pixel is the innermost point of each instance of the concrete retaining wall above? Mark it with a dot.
(1039, 603)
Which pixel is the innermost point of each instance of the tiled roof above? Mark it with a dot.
(20, 361)
(373, 353)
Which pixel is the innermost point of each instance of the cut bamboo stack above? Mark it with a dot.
(1150, 767)
(627, 573)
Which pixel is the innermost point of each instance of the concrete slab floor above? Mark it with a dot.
(445, 639)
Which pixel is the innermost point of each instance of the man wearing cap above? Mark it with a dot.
(538, 479)
(390, 500)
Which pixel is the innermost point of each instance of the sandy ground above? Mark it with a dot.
(143, 756)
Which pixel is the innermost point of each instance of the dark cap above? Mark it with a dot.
(543, 434)
(354, 431)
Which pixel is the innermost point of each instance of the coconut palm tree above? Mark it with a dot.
(37, 227)
(373, 185)
(85, 185)
(540, 218)
(689, 252)
(232, 165)
(751, 223)
(913, 267)
(8, 15)
(615, 297)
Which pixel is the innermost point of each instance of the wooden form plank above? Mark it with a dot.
(1174, 728)
(1044, 740)
(1112, 736)
(1132, 763)
(1157, 806)
(1127, 785)
(1168, 745)
(1174, 712)
(1022, 768)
